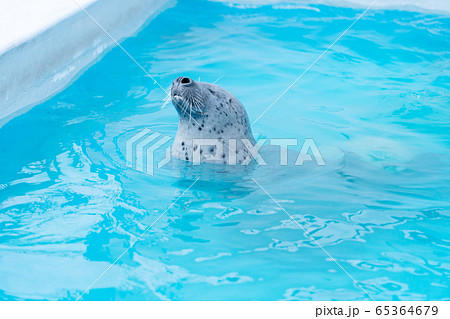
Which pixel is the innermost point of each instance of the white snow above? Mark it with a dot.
(44, 44)
(21, 20)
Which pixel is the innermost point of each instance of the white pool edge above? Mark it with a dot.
(424, 6)
(43, 65)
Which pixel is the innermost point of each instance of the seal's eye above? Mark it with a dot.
(185, 80)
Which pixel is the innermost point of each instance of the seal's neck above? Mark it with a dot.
(213, 141)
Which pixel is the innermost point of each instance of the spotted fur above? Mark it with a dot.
(208, 111)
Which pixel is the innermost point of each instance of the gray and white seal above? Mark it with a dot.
(213, 124)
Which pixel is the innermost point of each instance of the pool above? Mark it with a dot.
(377, 214)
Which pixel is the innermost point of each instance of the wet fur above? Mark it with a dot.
(208, 111)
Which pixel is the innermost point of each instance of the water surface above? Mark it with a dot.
(377, 106)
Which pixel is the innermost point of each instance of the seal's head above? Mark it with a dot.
(187, 97)
(206, 111)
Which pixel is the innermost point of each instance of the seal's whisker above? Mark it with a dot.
(188, 104)
(190, 115)
(168, 97)
(201, 105)
(194, 102)
(166, 100)
(198, 102)
(218, 79)
(197, 107)
(184, 107)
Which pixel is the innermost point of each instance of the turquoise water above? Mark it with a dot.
(376, 105)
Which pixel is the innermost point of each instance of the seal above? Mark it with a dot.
(213, 124)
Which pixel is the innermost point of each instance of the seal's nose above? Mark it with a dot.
(186, 81)
(181, 80)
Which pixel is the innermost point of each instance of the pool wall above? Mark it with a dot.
(434, 6)
(34, 69)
